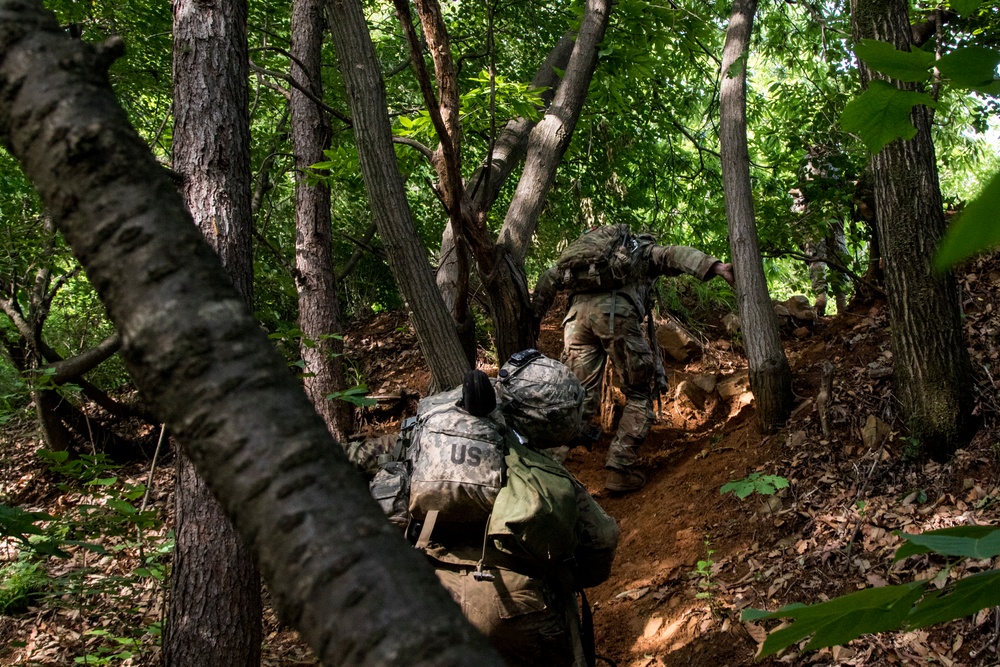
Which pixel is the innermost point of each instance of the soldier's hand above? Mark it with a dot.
(725, 271)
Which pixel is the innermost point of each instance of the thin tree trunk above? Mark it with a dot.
(338, 571)
(770, 374)
(319, 307)
(506, 285)
(485, 184)
(215, 606)
(432, 323)
(931, 368)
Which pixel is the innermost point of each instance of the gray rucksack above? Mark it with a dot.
(541, 399)
(445, 461)
(603, 258)
(457, 460)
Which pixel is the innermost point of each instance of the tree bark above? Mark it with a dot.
(338, 571)
(931, 367)
(770, 374)
(319, 306)
(506, 285)
(485, 184)
(215, 607)
(373, 135)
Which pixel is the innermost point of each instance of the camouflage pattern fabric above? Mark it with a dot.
(523, 618)
(822, 279)
(588, 343)
(608, 325)
(542, 400)
(458, 463)
(368, 453)
(390, 487)
(656, 260)
(597, 540)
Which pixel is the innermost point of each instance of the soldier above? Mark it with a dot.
(822, 226)
(513, 565)
(603, 323)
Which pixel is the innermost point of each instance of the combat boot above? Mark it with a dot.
(820, 306)
(624, 481)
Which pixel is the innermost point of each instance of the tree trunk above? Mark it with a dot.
(432, 323)
(215, 606)
(931, 368)
(770, 374)
(501, 264)
(506, 285)
(319, 307)
(485, 184)
(338, 571)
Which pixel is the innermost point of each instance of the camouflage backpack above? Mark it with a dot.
(603, 258)
(456, 459)
(452, 467)
(541, 399)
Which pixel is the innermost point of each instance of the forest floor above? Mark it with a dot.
(690, 558)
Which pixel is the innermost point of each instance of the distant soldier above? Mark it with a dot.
(511, 534)
(822, 227)
(609, 273)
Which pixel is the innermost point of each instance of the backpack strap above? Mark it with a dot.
(403, 442)
(587, 630)
(425, 532)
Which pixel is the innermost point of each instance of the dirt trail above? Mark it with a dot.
(690, 558)
(648, 606)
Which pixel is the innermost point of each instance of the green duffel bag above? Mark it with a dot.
(535, 514)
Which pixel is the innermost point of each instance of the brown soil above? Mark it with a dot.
(829, 533)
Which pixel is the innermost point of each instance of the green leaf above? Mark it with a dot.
(49, 548)
(970, 66)
(842, 619)
(89, 546)
(354, 396)
(121, 506)
(966, 597)
(976, 228)
(885, 58)
(965, 7)
(882, 114)
(977, 542)
(737, 68)
(992, 88)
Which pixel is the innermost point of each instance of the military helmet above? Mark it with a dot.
(540, 398)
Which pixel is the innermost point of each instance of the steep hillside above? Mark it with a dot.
(690, 557)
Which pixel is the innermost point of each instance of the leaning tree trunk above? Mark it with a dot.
(770, 375)
(547, 143)
(337, 570)
(215, 605)
(319, 306)
(484, 187)
(931, 367)
(432, 323)
(501, 264)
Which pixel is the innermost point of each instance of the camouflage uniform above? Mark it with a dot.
(369, 453)
(829, 241)
(526, 608)
(603, 325)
